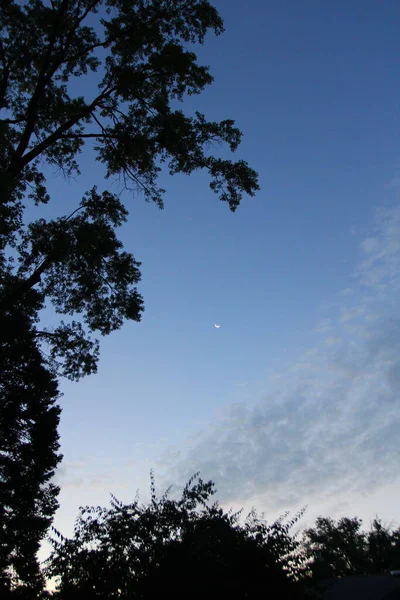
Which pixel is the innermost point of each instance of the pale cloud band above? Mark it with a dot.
(332, 426)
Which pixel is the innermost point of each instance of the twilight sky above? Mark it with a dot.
(294, 400)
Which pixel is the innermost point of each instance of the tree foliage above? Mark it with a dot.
(342, 548)
(140, 55)
(111, 75)
(28, 456)
(184, 548)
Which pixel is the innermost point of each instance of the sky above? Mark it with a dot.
(294, 400)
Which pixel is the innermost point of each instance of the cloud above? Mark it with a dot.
(71, 473)
(370, 245)
(332, 341)
(82, 473)
(380, 267)
(351, 313)
(323, 325)
(330, 427)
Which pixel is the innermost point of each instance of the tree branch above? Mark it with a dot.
(89, 135)
(58, 133)
(17, 291)
(98, 122)
(124, 168)
(86, 12)
(2, 55)
(12, 121)
(49, 334)
(5, 76)
(94, 46)
(35, 277)
(109, 285)
(42, 81)
(46, 73)
(67, 218)
(135, 178)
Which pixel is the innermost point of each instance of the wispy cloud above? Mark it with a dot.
(323, 325)
(79, 473)
(331, 425)
(347, 292)
(380, 267)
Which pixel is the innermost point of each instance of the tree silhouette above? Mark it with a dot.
(337, 549)
(28, 456)
(111, 74)
(134, 64)
(342, 548)
(183, 548)
(383, 547)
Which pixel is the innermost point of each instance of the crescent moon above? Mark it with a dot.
(217, 326)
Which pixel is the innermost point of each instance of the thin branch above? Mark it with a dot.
(98, 122)
(125, 169)
(35, 277)
(45, 333)
(67, 218)
(104, 279)
(89, 135)
(3, 56)
(18, 291)
(86, 12)
(13, 121)
(136, 179)
(42, 81)
(103, 44)
(62, 170)
(6, 74)
(119, 112)
(53, 160)
(109, 285)
(46, 73)
(58, 133)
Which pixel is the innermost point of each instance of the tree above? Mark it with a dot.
(110, 73)
(336, 549)
(140, 53)
(383, 547)
(28, 456)
(342, 548)
(184, 548)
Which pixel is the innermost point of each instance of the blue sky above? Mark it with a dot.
(293, 400)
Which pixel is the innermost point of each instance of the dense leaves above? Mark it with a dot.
(187, 547)
(111, 75)
(342, 548)
(80, 265)
(28, 456)
(111, 72)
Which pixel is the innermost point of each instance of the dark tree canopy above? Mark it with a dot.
(343, 548)
(110, 75)
(175, 548)
(140, 53)
(28, 457)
